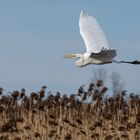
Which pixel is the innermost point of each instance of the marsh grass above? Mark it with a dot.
(61, 117)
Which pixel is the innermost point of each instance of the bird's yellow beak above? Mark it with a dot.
(69, 56)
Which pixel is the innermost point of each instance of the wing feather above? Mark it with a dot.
(104, 54)
(92, 33)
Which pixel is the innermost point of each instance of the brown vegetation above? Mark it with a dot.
(56, 117)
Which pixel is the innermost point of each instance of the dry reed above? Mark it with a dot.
(54, 117)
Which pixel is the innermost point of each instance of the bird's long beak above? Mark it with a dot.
(70, 56)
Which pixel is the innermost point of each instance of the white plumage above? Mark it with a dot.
(97, 50)
(92, 33)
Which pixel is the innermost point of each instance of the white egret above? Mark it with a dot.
(96, 44)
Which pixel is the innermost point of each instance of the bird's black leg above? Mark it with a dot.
(135, 62)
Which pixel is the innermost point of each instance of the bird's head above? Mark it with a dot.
(73, 56)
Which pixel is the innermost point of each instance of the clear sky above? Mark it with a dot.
(35, 34)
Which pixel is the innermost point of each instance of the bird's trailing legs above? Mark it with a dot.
(135, 62)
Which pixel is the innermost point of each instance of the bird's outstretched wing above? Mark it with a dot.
(92, 34)
(104, 54)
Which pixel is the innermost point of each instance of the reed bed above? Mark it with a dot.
(86, 115)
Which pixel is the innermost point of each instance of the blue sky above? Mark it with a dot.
(34, 36)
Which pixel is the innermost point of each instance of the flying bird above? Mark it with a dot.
(97, 49)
